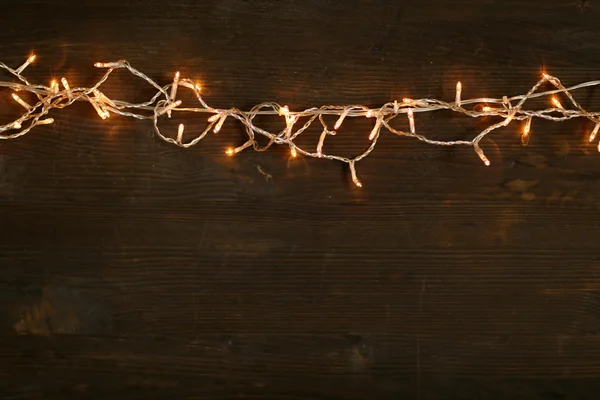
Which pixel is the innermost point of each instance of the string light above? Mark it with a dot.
(285, 111)
(411, 121)
(65, 84)
(341, 119)
(174, 90)
(290, 120)
(219, 124)
(169, 108)
(507, 109)
(22, 102)
(376, 128)
(322, 141)
(46, 121)
(180, 133)
(102, 113)
(353, 174)
(26, 64)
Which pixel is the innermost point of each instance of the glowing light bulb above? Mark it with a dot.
(370, 114)
(22, 102)
(458, 93)
(487, 109)
(481, 155)
(411, 120)
(376, 128)
(103, 100)
(180, 133)
(101, 112)
(26, 64)
(65, 83)
(219, 124)
(284, 111)
(54, 86)
(16, 125)
(599, 146)
(293, 152)
(594, 132)
(173, 90)
(230, 151)
(556, 103)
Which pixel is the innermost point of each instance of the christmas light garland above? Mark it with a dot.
(165, 103)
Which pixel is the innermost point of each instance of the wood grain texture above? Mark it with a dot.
(134, 269)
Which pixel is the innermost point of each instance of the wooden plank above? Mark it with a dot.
(131, 268)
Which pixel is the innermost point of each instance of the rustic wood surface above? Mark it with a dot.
(131, 268)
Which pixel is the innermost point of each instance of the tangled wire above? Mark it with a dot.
(165, 102)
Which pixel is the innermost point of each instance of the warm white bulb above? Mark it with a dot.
(22, 102)
(556, 103)
(458, 93)
(65, 83)
(26, 64)
(411, 120)
(175, 85)
(284, 111)
(376, 128)
(219, 124)
(594, 132)
(180, 133)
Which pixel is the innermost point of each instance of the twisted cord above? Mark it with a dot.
(165, 102)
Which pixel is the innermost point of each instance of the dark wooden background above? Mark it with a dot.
(131, 268)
